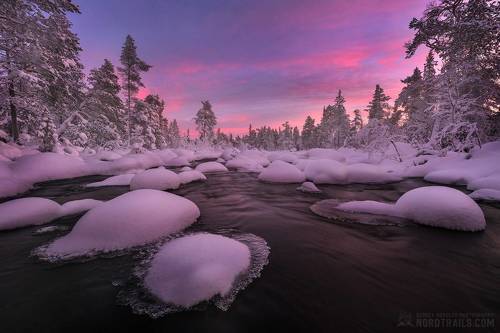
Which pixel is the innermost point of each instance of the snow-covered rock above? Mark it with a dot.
(325, 171)
(155, 179)
(282, 172)
(369, 174)
(208, 167)
(486, 194)
(78, 206)
(489, 182)
(244, 164)
(436, 206)
(322, 153)
(284, 156)
(27, 211)
(308, 187)
(132, 219)
(195, 268)
(186, 168)
(191, 176)
(176, 162)
(120, 180)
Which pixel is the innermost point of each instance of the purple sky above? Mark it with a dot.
(259, 62)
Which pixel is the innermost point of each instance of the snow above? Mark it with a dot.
(325, 171)
(282, 172)
(248, 161)
(308, 187)
(78, 206)
(489, 182)
(436, 206)
(486, 194)
(132, 219)
(119, 180)
(195, 268)
(284, 156)
(177, 162)
(106, 155)
(155, 179)
(369, 174)
(186, 168)
(191, 176)
(27, 211)
(208, 167)
(321, 153)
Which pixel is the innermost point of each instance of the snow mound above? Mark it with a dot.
(308, 187)
(369, 174)
(325, 171)
(27, 211)
(244, 164)
(78, 206)
(210, 167)
(132, 219)
(195, 268)
(486, 194)
(284, 156)
(321, 153)
(120, 180)
(176, 162)
(489, 182)
(155, 179)
(191, 176)
(436, 206)
(48, 166)
(106, 155)
(203, 258)
(186, 168)
(282, 172)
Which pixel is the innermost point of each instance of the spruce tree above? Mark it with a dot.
(377, 109)
(205, 122)
(308, 133)
(131, 69)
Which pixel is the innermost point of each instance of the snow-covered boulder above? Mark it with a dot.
(178, 161)
(78, 206)
(27, 211)
(106, 155)
(186, 168)
(284, 156)
(308, 187)
(326, 171)
(322, 153)
(282, 172)
(120, 180)
(369, 174)
(436, 206)
(489, 182)
(244, 164)
(155, 179)
(208, 167)
(132, 219)
(191, 176)
(195, 268)
(486, 194)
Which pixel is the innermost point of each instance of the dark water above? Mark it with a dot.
(322, 276)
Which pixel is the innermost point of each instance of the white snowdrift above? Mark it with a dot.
(282, 172)
(78, 206)
(486, 194)
(436, 206)
(325, 171)
(308, 187)
(132, 219)
(27, 211)
(321, 153)
(208, 167)
(120, 180)
(195, 268)
(155, 179)
(191, 176)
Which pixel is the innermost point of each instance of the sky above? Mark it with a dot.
(261, 62)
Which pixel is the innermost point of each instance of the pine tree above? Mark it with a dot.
(340, 121)
(464, 35)
(157, 106)
(357, 122)
(308, 133)
(174, 135)
(47, 133)
(377, 109)
(131, 69)
(28, 30)
(205, 122)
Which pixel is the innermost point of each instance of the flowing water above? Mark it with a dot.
(323, 275)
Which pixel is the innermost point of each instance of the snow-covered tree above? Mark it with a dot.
(378, 106)
(157, 106)
(357, 121)
(309, 133)
(131, 69)
(47, 134)
(464, 35)
(340, 122)
(205, 122)
(174, 137)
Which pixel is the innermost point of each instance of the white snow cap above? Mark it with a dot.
(155, 179)
(436, 206)
(78, 206)
(282, 172)
(27, 211)
(308, 187)
(120, 180)
(195, 268)
(210, 167)
(486, 194)
(134, 218)
(191, 176)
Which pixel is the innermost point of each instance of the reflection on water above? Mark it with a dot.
(323, 275)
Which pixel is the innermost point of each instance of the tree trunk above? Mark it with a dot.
(13, 113)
